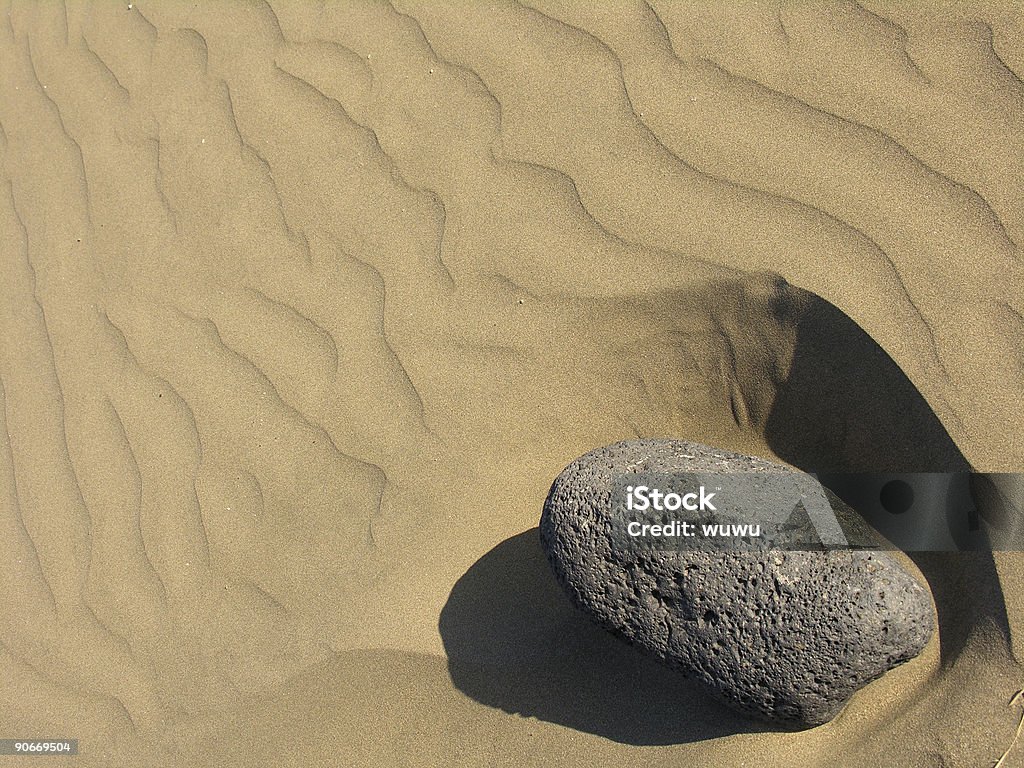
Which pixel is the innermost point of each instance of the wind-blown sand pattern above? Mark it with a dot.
(305, 305)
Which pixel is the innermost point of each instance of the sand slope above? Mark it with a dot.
(304, 307)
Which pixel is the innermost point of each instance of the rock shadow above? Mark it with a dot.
(515, 642)
(846, 406)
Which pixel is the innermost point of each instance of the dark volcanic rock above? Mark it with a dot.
(786, 636)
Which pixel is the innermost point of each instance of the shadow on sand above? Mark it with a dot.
(846, 406)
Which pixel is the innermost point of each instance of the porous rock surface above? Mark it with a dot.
(785, 636)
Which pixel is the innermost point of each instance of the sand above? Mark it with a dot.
(304, 306)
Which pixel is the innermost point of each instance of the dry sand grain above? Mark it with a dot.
(304, 306)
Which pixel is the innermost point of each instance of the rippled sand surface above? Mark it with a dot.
(305, 305)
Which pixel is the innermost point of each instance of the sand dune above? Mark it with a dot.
(305, 306)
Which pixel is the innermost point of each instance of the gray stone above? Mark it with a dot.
(785, 636)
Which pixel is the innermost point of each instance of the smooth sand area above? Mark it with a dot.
(305, 305)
